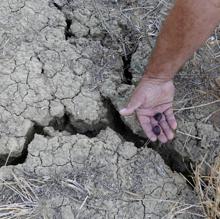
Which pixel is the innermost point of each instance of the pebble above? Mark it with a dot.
(156, 130)
(158, 116)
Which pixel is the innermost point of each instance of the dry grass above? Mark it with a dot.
(24, 199)
(208, 189)
(175, 208)
(142, 19)
(26, 202)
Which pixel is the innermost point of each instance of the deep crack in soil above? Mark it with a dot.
(171, 157)
(36, 129)
(127, 73)
(67, 31)
(64, 124)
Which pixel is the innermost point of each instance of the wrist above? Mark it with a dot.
(161, 72)
(159, 78)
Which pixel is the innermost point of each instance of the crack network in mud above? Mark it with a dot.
(171, 157)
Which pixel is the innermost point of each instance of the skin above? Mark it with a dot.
(186, 28)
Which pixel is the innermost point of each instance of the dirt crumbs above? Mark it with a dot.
(66, 67)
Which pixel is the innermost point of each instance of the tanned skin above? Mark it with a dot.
(186, 28)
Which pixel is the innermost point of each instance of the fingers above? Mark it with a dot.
(162, 137)
(147, 127)
(166, 128)
(132, 106)
(170, 118)
(149, 123)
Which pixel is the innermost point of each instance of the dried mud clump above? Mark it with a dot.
(44, 77)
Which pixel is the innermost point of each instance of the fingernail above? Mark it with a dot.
(174, 126)
(122, 111)
(153, 139)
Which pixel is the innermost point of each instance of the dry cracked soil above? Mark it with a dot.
(66, 67)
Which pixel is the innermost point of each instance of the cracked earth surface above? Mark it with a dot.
(63, 69)
(118, 179)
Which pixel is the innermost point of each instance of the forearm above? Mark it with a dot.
(186, 28)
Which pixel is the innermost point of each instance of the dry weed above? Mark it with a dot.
(23, 202)
(208, 189)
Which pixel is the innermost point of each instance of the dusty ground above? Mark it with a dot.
(66, 67)
(99, 177)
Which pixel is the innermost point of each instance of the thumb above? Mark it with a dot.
(132, 106)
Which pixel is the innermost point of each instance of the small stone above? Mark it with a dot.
(156, 130)
(217, 80)
(158, 116)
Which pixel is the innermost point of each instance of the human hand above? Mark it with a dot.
(152, 101)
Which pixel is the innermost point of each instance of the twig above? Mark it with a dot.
(84, 202)
(189, 135)
(198, 106)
